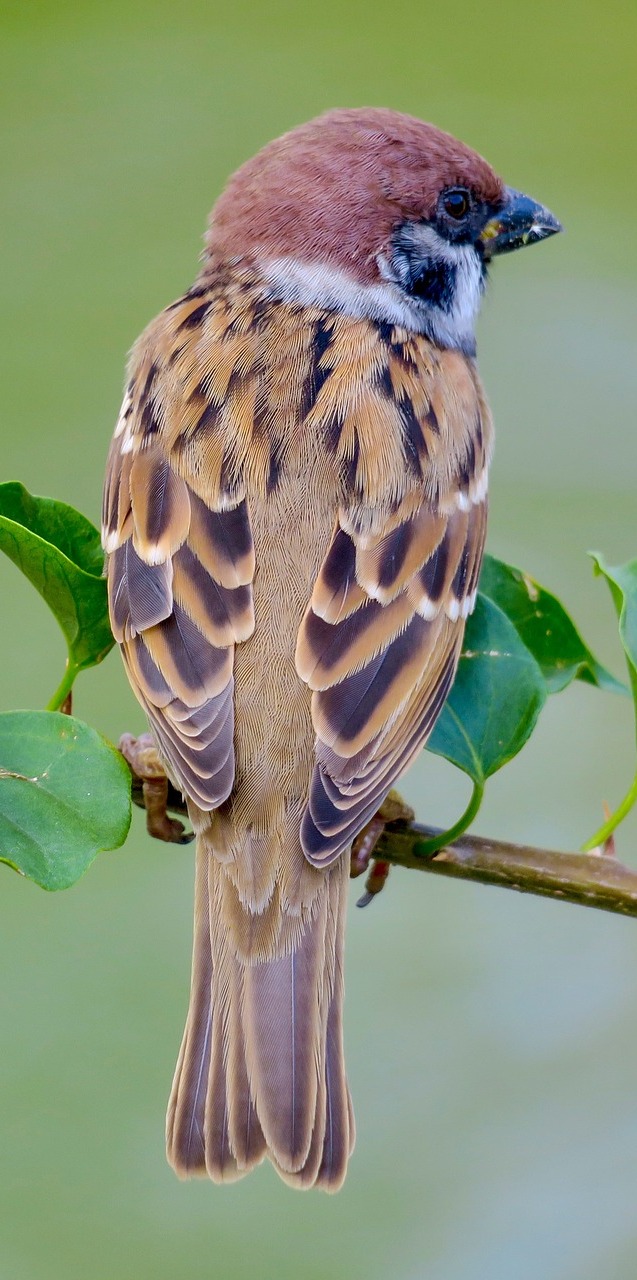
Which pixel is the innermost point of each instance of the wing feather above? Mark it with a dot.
(141, 595)
(180, 566)
(380, 641)
(387, 567)
(160, 506)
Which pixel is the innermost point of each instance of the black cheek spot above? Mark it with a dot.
(435, 284)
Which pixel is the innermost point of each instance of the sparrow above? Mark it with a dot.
(294, 517)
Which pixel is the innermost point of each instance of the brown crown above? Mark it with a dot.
(334, 189)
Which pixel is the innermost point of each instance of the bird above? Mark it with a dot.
(294, 518)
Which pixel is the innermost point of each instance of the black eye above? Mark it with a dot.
(456, 203)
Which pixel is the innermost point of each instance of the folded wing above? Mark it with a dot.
(179, 576)
(380, 641)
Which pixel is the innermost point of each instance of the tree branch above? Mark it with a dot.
(589, 879)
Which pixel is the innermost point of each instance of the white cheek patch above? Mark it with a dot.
(322, 285)
(469, 288)
(419, 247)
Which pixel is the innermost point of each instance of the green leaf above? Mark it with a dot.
(545, 628)
(493, 706)
(59, 551)
(495, 700)
(622, 583)
(64, 796)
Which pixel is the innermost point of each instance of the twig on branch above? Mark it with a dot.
(589, 879)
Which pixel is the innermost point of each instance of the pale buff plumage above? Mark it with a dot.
(294, 514)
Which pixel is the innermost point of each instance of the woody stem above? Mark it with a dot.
(589, 879)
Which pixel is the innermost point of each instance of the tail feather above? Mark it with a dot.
(244, 1129)
(221, 1162)
(339, 1119)
(186, 1111)
(305, 1177)
(261, 1069)
(282, 1028)
(334, 1132)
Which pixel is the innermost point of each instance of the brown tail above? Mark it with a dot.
(260, 1070)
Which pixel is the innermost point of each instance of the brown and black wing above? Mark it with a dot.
(380, 642)
(179, 567)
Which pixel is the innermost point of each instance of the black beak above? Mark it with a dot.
(520, 221)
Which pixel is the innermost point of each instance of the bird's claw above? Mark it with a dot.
(393, 809)
(150, 788)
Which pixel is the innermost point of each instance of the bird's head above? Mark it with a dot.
(373, 213)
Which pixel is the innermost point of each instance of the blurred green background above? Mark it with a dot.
(492, 1043)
